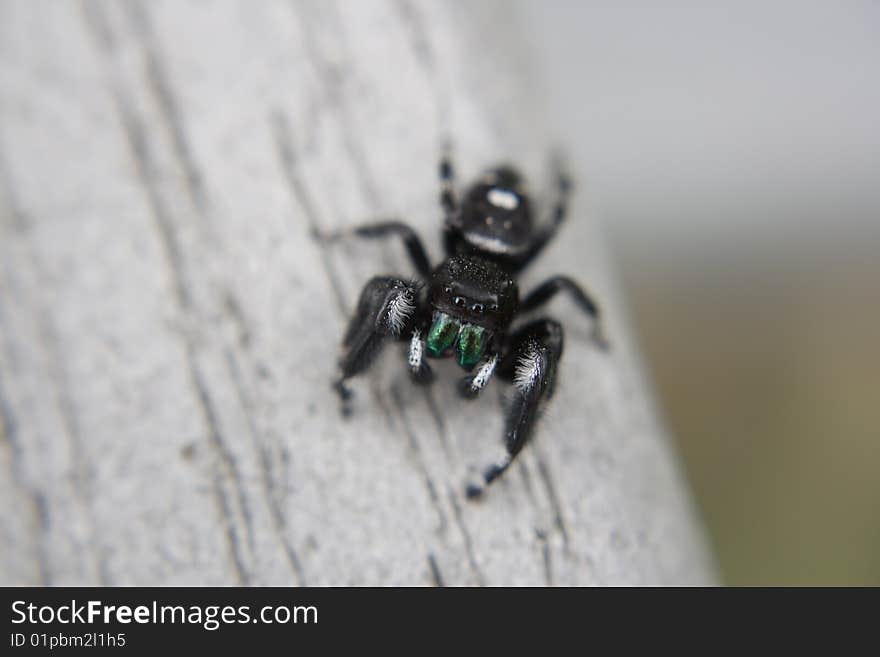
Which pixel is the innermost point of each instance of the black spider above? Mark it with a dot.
(471, 301)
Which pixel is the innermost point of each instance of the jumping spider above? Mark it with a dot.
(471, 301)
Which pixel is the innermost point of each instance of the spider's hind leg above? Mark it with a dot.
(387, 309)
(530, 363)
(585, 303)
(446, 171)
(545, 234)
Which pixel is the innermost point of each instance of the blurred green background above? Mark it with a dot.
(770, 383)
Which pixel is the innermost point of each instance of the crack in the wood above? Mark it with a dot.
(96, 23)
(546, 557)
(553, 496)
(270, 489)
(233, 310)
(68, 415)
(332, 76)
(411, 19)
(184, 299)
(420, 460)
(147, 175)
(160, 87)
(290, 169)
(414, 24)
(230, 467)
(18, 220)
(41, 509)
(334, 80)
(36, 499)
(439, 423)
(358, 158)
(436, 575)
(380, 401)
(466, 537)
(137, 140)
(60, 385)
(527, 480)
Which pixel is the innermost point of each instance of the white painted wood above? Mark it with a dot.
(168, 327)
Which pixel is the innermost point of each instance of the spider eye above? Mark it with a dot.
(459, 301)
(447, 289)
(493, 307)
(477, 308)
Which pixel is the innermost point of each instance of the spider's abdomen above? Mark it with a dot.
(496, 216)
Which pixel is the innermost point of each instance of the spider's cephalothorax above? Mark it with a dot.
(471, 303)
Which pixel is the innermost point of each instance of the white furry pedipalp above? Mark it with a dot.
(528, 370)
(399, 310)
(481, 378)
(415, 351)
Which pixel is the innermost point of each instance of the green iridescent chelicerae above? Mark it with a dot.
(443, 333)
(471, 344)
(446, 332)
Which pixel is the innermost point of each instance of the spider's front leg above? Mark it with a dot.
(530, 363)
(383, 230)
(387, 308)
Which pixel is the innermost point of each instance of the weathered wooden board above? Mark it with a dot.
(169, 328)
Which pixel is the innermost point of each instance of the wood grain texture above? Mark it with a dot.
(169, 328)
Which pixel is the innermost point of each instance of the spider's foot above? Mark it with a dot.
(478, 482)
(474, 491)
(474, 486)
(496, 470)
(466, 388)
(423, 375)
(327, 235)
(345, 397)
(599, 338)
